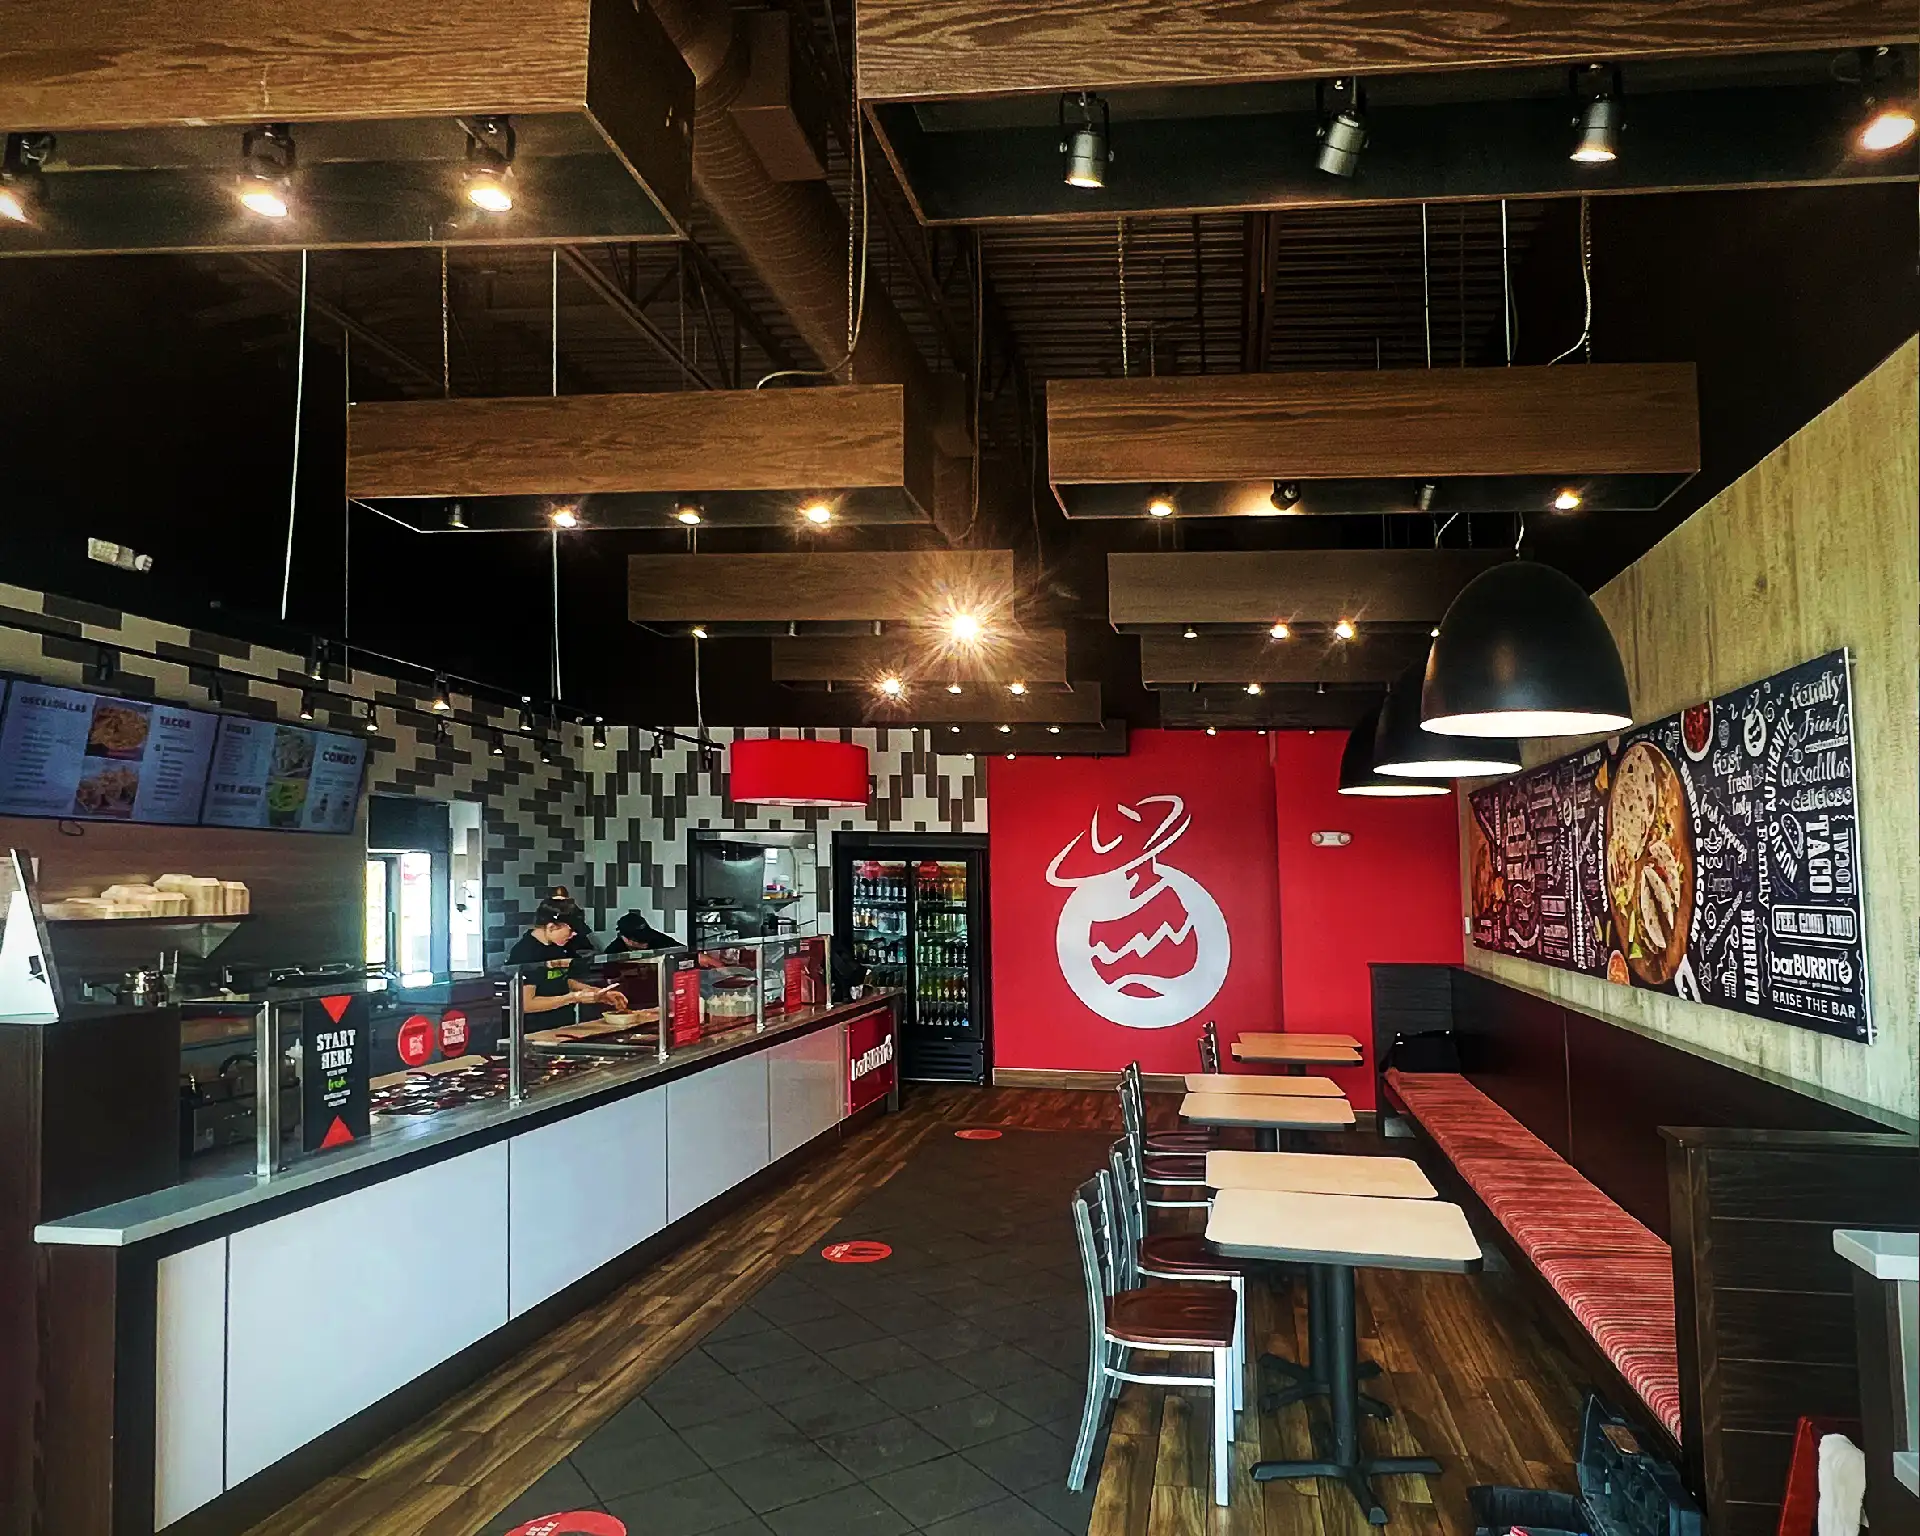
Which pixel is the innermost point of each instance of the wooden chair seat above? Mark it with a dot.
(1185, 1253)
(1180, 1141)
(1168, 1315)
(1185, 1165)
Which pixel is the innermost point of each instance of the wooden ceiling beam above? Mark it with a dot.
(929, 49)
(1167, 660)
(1034, 657)
(1316, 587)
(916, 587)
(935, 706)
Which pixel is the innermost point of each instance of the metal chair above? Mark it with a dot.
(1159, 1172)
(1193, 1319)
(1209, 1047)
(1186, 1141)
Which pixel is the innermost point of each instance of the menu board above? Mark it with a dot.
(283, 777)
(1714, 855)
(93, 757)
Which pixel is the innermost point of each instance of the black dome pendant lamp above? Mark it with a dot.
(1356, 767)
(1524, 652)
(1401, 749)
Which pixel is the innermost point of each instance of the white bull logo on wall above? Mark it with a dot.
(1141, 943)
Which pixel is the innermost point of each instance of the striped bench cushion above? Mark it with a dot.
(1613, 1274)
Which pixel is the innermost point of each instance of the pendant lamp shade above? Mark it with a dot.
(1402, 750)
(777, 772)
(1356, 768)
(1524, 652)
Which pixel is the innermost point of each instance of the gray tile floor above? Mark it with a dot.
(935, 1391)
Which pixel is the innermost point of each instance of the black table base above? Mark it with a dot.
(1312, 1380)
(1332, 1324)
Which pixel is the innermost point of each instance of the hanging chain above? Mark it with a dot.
(446, 354)
(553, 323)
(1120, 230)
(1586, 276)
(1426, 287)
(1506, 284)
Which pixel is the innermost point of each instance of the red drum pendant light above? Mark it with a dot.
(772, 771)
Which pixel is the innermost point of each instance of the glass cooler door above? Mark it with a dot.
(945, 1040)
(879, 914)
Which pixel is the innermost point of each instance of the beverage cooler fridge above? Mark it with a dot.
(915, 910)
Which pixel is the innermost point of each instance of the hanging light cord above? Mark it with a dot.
(1426, 287)
(346, 512)
(699, 706)
(553, 324)
(1509, 318)
(293, 482)
(1120, 234)
(1584, 342)
(446, 349)
(856, 293)
(1520, 531)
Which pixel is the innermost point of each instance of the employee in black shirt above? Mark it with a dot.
(562, 902)
(634, 932)
(551, 981)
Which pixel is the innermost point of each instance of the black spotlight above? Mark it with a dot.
(317, 659)
(1401, 750)
(1285, 497)
(22, 186)
(456, 517)
(1597, 115)
(599, 732)
(442, 700)
(1888, 121)
(497, 748)
(546, 752)
(306, 704)
(489, 176)
(1356, 767)
(1523, 652)
(371, 724)
(104, 667)
(265, 187)
(1343, 126)
(1086, 147)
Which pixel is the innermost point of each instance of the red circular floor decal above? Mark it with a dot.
(860, 1251)
(979, 1133)
(575, 1522)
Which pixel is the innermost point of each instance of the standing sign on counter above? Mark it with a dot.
(90, 757)
(869, 1058)
(684, 1009)
(1713, 854)
(335, 1095)
(283, 778)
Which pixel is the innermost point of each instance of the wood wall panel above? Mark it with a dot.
(1038, 656)
(1816, 547)
(1435, 423)
(906, 586)
(247, 61)
(833, 438)
(1302, 586)
(1308, 658)
(933, 48)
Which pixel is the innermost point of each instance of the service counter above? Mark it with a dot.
(221, 1344)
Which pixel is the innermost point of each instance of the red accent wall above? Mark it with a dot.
(1392, 894)
(1147, 922)
(1302, 923)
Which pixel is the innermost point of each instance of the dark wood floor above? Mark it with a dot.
(1473, 1377)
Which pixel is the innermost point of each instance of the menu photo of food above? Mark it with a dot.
(1650, 863)
(109, 782)
(287, 776)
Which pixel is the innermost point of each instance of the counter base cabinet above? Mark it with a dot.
(333, 1307)
(717, 1133)
(584, 1191)
(806, 1089)
(190, 1354)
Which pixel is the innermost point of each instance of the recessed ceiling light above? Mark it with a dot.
(1010, 757)
(564, 517)
(1053, 730)
(1344, 629)
(1016, 688)
(1434, 633)
(1887, 129)
(1566, 500)
(1189, 633)
(892, 687)
(955, 729)
(1280, 632)
(1254, 689)
(1160, 506)
(817, 513)
(964, 627)
(1005, 729)
(1211, 731)
(687, 513)
(953, 687)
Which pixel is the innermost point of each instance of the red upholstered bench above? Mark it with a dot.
(1613, 1275)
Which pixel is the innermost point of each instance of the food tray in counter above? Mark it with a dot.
(451, 1084)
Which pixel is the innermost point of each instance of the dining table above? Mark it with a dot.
(1334, 1235)
(1319, 1173)
(1267, 1114)
(1263, 1082)
(1297, 1052)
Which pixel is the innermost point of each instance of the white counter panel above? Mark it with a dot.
(189, 1408)
(331, 1308)
(805, 1091)
(585, 1190)
(716, 1131)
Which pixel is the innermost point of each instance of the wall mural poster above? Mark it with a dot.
(1713, 855)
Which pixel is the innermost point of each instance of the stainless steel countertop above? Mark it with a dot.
(128, 1222)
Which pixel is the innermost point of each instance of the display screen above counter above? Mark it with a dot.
(93, 757)
(283, 778)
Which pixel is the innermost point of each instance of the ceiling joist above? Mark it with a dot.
(1309, 590)
(1034, 658)
(923, 589)
(1168, 660)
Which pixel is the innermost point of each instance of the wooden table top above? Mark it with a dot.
(1263, 1082)
(1360, 1230)
(1319, 1173)
(1266, 1111)
(1327, 1050)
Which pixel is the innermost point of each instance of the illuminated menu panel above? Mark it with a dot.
(283, 778)
(93, 757)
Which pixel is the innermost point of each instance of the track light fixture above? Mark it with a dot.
(442, 703)
(496, 747)
(546, 752)
(526, 715)
(1281, 632)
(892, 686)
(1597, 116)
(1016, 688)
(1889, 121)
(818, 512)
(490, 146)
(266, 171)
(1189, 633)
(564, 517)
(1006, 730)
(689, 513)
(964, 628)
(1255, 689)
(953, 688)
(317, 659)
(306, 704)
(1566, 500)
(371, 724)
(1285, 497)
(457, 517)
(599, 734)
(699, 631)
(105, 666)
(1160, 505)
(22, 187)
(1344, 629)
(1086, 146)
(1343, 126)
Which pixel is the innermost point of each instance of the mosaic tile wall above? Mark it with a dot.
(641, 806)
(531, 813)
